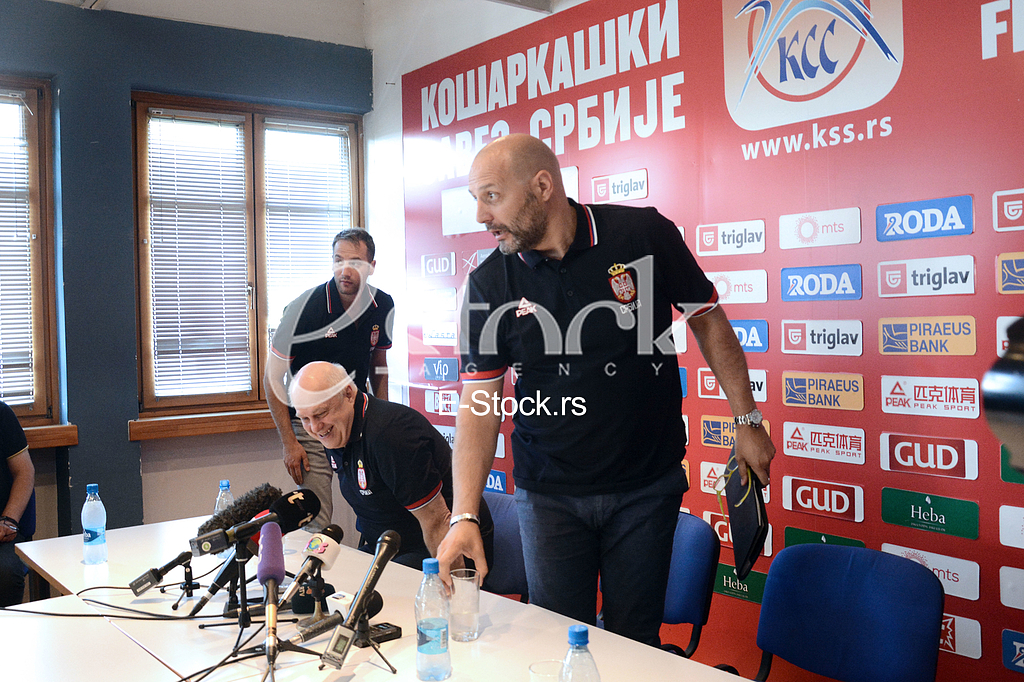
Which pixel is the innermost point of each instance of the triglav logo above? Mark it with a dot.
(941, 276)
(708, 386)
(1008, 209)
(741, 286)
(822, 283)
(823, 498)
(932, 396)
(929, 455)
(1010, 273)
(945, 217)
(833, 391)
(822, 337)
(727, 239)
(821, 228)
(827, 443)
(953, 335)
(620, 187)
(786, 63)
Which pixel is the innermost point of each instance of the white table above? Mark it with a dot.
(513, 634)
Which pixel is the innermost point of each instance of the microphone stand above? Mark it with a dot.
(316, 583)
(188, 587)
(363, 640)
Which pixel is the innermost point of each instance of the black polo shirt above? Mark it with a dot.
(395, 462)
(12, 443)
(613, 389)
(315, 326)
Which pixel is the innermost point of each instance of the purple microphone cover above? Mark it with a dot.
(271, 566)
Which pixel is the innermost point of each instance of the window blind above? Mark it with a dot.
(308, 199)
(17, 385)
(200, 291)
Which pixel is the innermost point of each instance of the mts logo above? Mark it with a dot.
(823, 498)
(993, 25)
(929, 455)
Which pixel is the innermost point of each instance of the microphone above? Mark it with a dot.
(244, 508)
(154, 575)
(388, 545)
(373, 606)
(228, 572)
(321, 550)
(290, 512)
(270, 573)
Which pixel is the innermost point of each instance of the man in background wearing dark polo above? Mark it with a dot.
(394, 468)
(578, 301)
(345, 321)
(17, 481)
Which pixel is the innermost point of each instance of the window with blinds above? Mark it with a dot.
(24, 223)
(237, 211)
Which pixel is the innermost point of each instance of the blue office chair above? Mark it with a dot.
(508, 574)
(691, 578)
(852, 614)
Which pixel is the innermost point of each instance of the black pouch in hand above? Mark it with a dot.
(748, 519)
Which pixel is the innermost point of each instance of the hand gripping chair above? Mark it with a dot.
(508, 574)
(691, 578)
(852, 614)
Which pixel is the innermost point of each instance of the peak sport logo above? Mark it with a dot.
(791, 61)
(948, 335)
(822, 337)
(822, 283)
(823, 498)
(728, 239)
(1008, 210)
(929, 455)
(819, 228)
(943, 217)
(827, 443)
(931, 396)
(943, 276)
(816, 389)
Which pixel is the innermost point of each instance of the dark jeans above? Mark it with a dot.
(626, 538)
(12, 574)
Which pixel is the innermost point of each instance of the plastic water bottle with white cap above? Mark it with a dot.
(433, 660)
(579, 665)
(94, 527)
(224, 498)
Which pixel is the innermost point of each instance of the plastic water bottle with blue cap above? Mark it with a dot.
(224, 498)
(579, 665)
(433, 660)
(94, 527)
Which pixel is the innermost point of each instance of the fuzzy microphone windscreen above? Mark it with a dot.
(244, 508)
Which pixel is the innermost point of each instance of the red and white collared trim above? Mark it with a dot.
(481, 376)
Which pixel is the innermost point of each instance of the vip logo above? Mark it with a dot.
(932, 396)
(1010, 273)
(728, 239)
(1003, 334)
(960, 578)
(708, 386)
(941, 276)
(1008, 208)
(823, 498)
(961, 636)
(832, 391)
(822, 228)
(741, 286)
(440, 334)
(944, 217)
(927, 335)
(720, 524)
(441, 369)
(441, 402)
(822, 283)
(827, 443)
(822, 337)
(752, 334)
(437, 264)
(784, 66)
(620, 187)
(1013, 642)
(929, 455)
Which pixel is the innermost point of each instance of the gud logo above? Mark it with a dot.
(941, 276)
(929, 455)
(822, 283)
(720, 524)
(437, 264)
(943, 217)
(787, 62)
(1008, 210)
(823, 498)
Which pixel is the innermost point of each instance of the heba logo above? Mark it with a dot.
(929, 455)
(823, 498)
(784, 66)
(707, 238)
(944, 217)
(1008, 210)
(822, 283)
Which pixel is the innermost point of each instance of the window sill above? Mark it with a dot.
(60, 435)
(152, 428)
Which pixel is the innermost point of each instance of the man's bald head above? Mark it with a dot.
(317, 383)
(522, 157)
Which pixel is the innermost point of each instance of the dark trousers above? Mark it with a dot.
(12, 574)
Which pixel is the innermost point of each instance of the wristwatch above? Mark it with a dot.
(753, 418)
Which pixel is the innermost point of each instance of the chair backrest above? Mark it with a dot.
(691, 575)
(508, 574)
(852, 614)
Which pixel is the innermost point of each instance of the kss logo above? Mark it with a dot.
(374, 334)
(361, 475)
(622, 283)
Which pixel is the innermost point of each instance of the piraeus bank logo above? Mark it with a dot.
(817, 389)
(942, 276)
(785, 64)
(944, 217)
(720, 432)
(931, 396)
(948, 335)
(729, 239)
(1010, 273)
